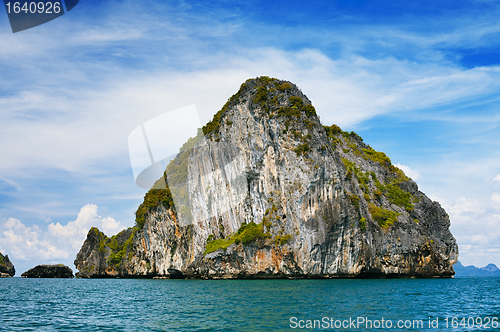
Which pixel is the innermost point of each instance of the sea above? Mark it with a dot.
(458, 304)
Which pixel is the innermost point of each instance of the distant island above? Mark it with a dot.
(6, 267)
(490, 270)
(49, 271)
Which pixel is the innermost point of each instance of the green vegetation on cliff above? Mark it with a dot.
(152, 199)
(274, 98)
(212, 128)
(362, 223)
(391, 189)
(302, 149)
(383, 217)
(247, 233)
(252, 232)
(280, 240)
(332, 131)
(117, 245)
(354, 200)
(118, 250)
(376, 156)
(398, 196)
(161, 193)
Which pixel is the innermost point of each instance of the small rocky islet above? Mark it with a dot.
(6, 267)
(49, 271)
(273, 193)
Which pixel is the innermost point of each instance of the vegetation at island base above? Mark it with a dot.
(251, 232)
(247, 233)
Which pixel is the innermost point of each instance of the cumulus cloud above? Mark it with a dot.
(25, 243)
(58, 242)
(497, 178)
(111, 226)
(409, 172)
(74, 232)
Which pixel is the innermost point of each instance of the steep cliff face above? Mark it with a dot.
(6, 267)
(270, 192)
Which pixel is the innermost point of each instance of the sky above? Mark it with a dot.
(419, 80)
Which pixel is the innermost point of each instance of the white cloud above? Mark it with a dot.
(464, 205)
(27, 243)
(58, 243)
(475, 225)
(75, 232)
(496, 200)
(479, 255)
(408, 171)
(82, 127)
(85, 107)
(497, 178)
(111, 226)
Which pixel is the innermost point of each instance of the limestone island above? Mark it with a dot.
(266, 191)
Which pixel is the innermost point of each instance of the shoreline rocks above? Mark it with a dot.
(49, 271)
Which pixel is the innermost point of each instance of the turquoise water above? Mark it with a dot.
(244, 305)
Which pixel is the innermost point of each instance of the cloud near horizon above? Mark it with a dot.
(56, 243)
(468, 215)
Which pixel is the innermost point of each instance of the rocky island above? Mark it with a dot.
(270, 192)
(49, 271)
(6, 267)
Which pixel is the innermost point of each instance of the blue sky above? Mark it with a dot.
(417, 80)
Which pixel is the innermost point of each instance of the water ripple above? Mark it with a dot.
(238, 305)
